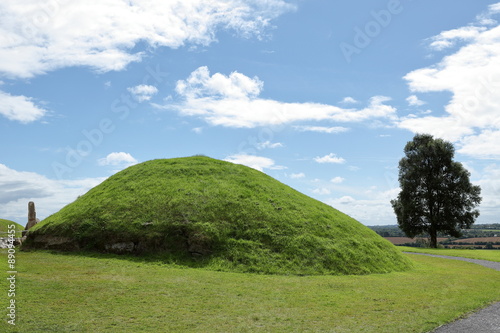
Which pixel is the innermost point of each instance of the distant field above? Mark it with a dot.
(478, 239)
(468, 246)
(79, 293)
(482, 229)
(476, 242)
(400, 240)
(405, 240)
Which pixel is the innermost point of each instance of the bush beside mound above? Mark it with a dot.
(198, 211)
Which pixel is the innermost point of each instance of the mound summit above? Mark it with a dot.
(205, 212)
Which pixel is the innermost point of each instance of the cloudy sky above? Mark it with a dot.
(321, 95)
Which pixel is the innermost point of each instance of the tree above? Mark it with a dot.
(436, 194)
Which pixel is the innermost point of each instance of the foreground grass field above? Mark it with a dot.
(492, 255)
(77, 293)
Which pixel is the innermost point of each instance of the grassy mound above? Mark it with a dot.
(219, 215)
(4, 227)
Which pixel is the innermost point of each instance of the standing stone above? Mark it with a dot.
(32, 220)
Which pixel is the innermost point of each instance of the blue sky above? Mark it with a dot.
(321, 95)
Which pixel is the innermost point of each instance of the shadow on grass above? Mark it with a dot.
(167, 259)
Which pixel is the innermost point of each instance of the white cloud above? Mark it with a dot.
(17, 188)
(20, 108)
(198, 130)
(322, 129)
(235, 86)
(36, 38)
(348, 100)
(487, 17)
(330, 158)
(471, 74)
(257, 162)
(485, 145)
(322, 191)
(297, 175)
(117, 159)
(376, 210)
(494, 8)
(450, 37)
(233, 101)
(269, 144)
(414, 101)
(447, 128)
(488, 178)
(345, 200)
(143, 92)
(337, 180)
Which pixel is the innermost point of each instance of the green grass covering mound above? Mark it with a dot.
(4, 228)
(200, 211)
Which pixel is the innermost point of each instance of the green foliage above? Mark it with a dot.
(482, 230)
(198, 211)
(436, 193)
(388, 230)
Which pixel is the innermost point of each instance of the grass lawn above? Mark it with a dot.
(492, 255)
(78, 293)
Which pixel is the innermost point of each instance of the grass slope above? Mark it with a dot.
(223, 216)
(4, 227)
(72, 293)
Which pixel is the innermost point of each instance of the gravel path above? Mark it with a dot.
(484, 321)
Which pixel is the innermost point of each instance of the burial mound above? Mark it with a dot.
(204, 212)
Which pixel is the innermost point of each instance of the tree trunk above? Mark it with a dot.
(433, 235)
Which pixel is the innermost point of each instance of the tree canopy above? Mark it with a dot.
(436, 193)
